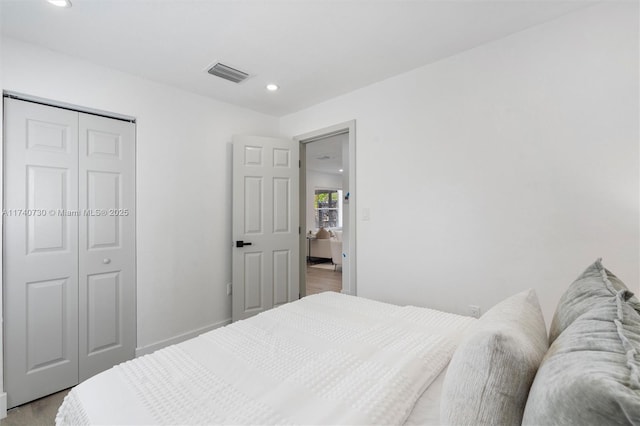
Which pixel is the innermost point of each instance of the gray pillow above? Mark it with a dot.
(489, 376)
(593, 286)
(590, 375)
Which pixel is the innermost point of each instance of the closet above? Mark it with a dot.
(68, 248)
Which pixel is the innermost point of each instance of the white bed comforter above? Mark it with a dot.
(325, 359)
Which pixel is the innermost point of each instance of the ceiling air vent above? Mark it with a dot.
(228, 73)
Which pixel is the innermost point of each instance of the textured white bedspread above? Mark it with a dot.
(325, 359)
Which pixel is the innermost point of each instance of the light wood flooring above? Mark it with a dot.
(40, 412)
(319, 280)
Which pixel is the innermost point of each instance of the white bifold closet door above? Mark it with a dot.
(69, 247)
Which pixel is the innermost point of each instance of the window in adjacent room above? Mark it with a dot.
(328, 208)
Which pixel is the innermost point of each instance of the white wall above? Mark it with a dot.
(318, 180)
(512, 165)
(183, 182)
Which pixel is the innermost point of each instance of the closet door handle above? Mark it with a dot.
(242, 243)
(106, 261)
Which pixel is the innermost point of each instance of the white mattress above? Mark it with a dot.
(325, 359)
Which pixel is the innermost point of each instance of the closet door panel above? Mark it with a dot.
(103, 195)
(107, 243)
(46, 193)
(40, 258)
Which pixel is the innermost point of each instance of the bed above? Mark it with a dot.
(329, 358)
(337, 359)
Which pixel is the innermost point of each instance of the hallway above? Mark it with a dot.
(322, 277)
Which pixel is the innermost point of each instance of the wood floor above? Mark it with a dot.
(39, 412)
(319, 280)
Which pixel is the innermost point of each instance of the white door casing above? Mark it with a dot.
(66, 317)
(265, 215)
(349, 285)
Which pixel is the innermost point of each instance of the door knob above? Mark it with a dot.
(241, 243)
(106, 261)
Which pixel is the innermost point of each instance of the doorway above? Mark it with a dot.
(327, 210)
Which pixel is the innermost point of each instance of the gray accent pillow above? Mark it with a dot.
(591, 373)
(593, 286)
(489, 376)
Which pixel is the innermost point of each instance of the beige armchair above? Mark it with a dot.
(336, 253)
(319, 248)
(322, 246)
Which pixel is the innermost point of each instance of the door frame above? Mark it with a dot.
(349, 279)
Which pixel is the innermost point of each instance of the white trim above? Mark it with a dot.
(65, 105)
(3, 405)
(315, 136)
(3, 395)
(350, 127)
(180, 338)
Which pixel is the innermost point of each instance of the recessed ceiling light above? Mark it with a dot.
(272, 87)
(60, 3)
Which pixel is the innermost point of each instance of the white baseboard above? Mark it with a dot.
(3, 405)
(144, 350)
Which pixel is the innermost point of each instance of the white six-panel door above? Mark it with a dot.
(40, 251)
(266, 216)
(69, 235)
(106, 243)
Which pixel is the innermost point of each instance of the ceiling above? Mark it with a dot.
(325, 155)
(313, 49)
